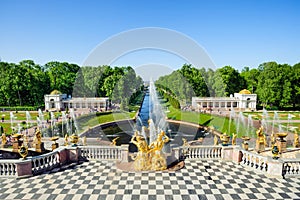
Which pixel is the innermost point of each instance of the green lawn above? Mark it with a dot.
(220, 123)
(7, 127)
(21, 115)
(281, 115)
(93, 120)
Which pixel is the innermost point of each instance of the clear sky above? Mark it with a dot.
(233, 32)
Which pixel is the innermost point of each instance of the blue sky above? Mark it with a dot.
(233, 32)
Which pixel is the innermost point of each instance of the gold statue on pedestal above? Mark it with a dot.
(84, 140)
(23, 151)
(114, 141)
(66, 140)
(216, 140)
(39, 145)
(296, 139)
(233, 141)
(273, 138)
(141, 161)
(4, 140)
(261, 140)
(185, 143)
(38, 137)
(158, 159)
(150, 157)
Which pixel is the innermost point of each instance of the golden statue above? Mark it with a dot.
(273, 138)
(261, 139)
(158, 160)
(114, 141)
(216, 140)
(84, 140)
(185, 143)
(4, 140)
(66, 140)
(296, 139)
(23, 151)
(141, 161)
(233, 141)
(38, 137)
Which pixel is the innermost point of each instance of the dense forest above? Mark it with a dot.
(26, 83)
(276, 85)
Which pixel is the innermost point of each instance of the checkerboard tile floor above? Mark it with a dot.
(200, 179)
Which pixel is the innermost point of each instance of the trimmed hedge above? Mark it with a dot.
(20, 108)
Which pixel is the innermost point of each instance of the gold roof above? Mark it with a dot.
(55, 92)
(244, 91)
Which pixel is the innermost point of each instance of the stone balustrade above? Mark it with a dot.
(291, 167)
(101, 152)
(202, 152)
(64, 155)
(254, 161)
(8, 167)
(105, 152)
(45, 162)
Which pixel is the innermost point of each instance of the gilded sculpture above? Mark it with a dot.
(4, 140)
(114, 141)
(150, 157)
(296, 139)
(233, 141)
(261, 139)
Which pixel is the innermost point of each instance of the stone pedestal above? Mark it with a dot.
(73, 154)
(237, 155)
(227, 153)
(259, 146)
(274, 168)
(281, 144)
(16, 145)
(124, 153)
(24, 168)
(245, 146)
(40, 147)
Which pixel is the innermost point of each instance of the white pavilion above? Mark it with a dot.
(243, 100)
(58, 101)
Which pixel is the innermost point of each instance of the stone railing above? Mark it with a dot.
(45, 162)
(198, 152)
(105, 152)
(254, 161)
(8, 167)
(291, 167)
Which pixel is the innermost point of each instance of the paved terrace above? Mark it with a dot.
(199, 179)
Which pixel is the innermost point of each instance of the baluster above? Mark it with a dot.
(9, 169)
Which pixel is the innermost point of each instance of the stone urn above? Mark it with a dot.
(74, 139)
(245, 144)
(17, 142)
(55, 144)
(225, 139)
(281, 142)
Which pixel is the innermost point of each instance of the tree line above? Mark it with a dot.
(25, 83)
(276, 85)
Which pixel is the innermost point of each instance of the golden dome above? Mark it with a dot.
(245, 91)
(55, 92)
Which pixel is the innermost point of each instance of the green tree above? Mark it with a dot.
(231, 80)
(62, 76)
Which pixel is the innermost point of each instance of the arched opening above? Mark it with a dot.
(52, 103)
(248, 102)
